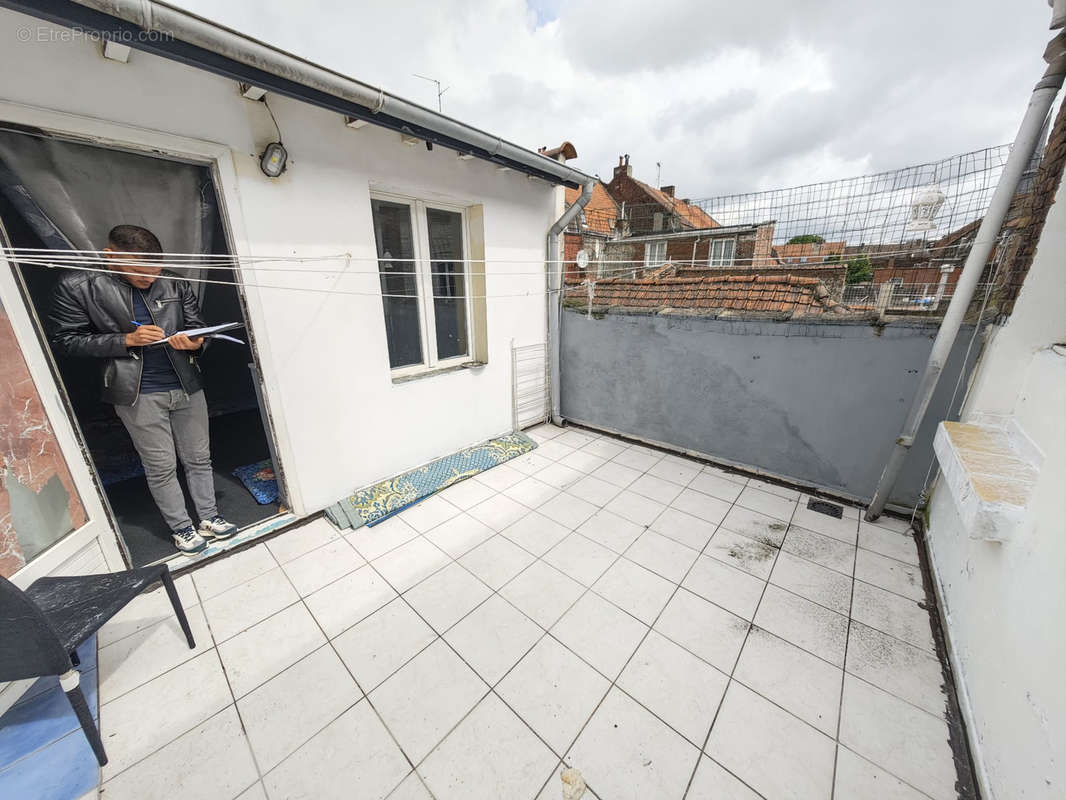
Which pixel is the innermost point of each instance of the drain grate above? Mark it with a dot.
(829, 509)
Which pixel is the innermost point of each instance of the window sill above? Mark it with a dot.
(430, 373)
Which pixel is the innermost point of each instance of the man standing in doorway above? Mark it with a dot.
(120, 318)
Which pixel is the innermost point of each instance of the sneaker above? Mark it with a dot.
(217, 528)
(188, 540)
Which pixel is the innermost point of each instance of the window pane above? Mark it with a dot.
(395, 240)
(449, 281)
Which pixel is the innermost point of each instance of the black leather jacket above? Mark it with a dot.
(93, 311)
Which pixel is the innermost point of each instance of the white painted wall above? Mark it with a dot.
(342, 422)
(1006, 602)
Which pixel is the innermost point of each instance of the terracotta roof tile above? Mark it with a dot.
(601, 213)
(693, 216)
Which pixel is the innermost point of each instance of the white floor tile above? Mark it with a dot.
(490, 755)
(773, 488)
(553, 451)
(898, 737)
(595, 490)
(353, 756)
(761, 527)
(716, 486)
(426, 698)
(823, 586)
(532, 493)
(165, 774)
(293, 706)
(636, 508)
(797, 681)
(610, 530)
(275, 644)
(725, 586)
(545, 431)
(410, 563)
(568, 510)
(769, 749)
(743, 552)
(636, 458)
(186, 696)
(372, 542)
(634, 589)
(662, 555)
(900, 546)
(536, 533)
(467, 493)
(702, 628)
(254, 792)
(823, 550)
(600, 633)
(150, 652)
(243, 606)
(459, 535)
(411, 789)
(530, 463)
(701, 505)
(845, 529)
(604, 448)
(575, 439)
(677, 470)
(890, 574)
(897, 667)
(216, 577)
(542, 593)
(772, 505)
(499, 511)
(618, 474)
(346, 601)
(685, 528)
(146, 610)
(713, 782)
(892, 614)
(735, 477)
(447, 596)
(381, 643)
(857, 779)
(894, 524)
(428, 513)
(493, 637)
(682, 690)
(311, 571)
(658, 489)
(582, 559)
(500, 477)
(554, 691)
(293, 544)
(582, 461)
(559, 475)
(497, 561)
(625, 752)
(813, 627)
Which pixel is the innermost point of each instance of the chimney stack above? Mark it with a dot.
(668, 190)
(623, 167)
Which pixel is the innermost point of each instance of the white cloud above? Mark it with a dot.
(729, 96)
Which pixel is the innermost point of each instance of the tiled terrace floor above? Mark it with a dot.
(669, 629)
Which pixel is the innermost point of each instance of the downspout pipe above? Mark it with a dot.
(191, 29)
(1025, 143)
(555, 295)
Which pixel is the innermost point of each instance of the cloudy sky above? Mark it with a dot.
(730, 96)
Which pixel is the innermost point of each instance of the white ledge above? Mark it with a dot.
(988, 476)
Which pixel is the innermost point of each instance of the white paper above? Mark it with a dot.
(193, 333)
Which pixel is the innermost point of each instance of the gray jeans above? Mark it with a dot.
(161, 425)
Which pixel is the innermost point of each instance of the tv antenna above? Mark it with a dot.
(440, 91)
(658, 175)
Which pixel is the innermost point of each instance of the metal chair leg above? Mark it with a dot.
(172, 593)
(74, 658)
(85, 717)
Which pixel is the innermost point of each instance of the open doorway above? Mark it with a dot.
(57, 194)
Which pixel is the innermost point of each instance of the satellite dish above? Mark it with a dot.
(582, 258)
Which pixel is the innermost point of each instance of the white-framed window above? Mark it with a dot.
(424, 268)
(722, 251)
(654, 254)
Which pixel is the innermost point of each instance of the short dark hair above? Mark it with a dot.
(134, 239)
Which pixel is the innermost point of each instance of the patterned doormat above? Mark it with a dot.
(374, 503)
(260, 480)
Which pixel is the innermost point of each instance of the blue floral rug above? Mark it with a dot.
(374, 503)
(259, 479)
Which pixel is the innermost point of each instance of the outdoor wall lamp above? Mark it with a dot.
(273, 160)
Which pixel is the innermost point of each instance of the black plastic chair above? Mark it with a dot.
(41, 627)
